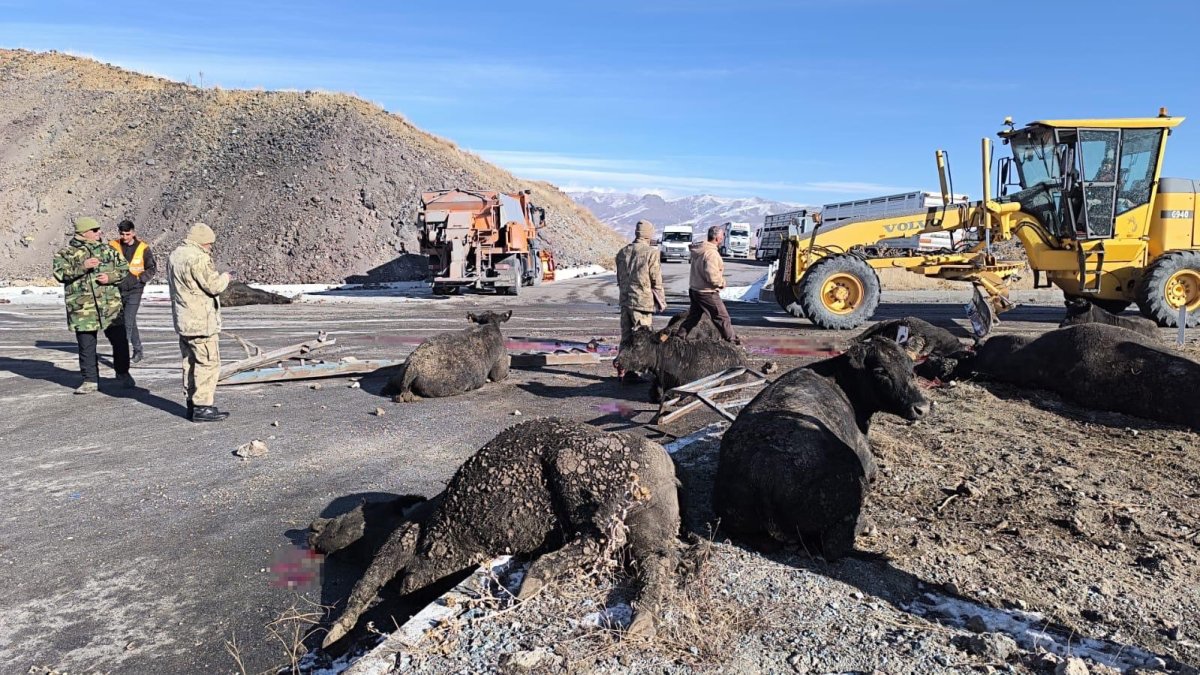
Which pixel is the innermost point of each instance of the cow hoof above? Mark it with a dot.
(336, 632)
(643, 626)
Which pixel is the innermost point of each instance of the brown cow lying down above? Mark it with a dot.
(1098, 366)
(238, 294)
(1081, 311)
(795, 465)
(454, 363)
(550, 489)
(936, 350)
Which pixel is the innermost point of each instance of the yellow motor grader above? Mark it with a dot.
(1083, 197)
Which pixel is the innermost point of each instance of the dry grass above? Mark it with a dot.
(290, 628)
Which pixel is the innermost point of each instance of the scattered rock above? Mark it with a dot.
(528, 660)
(275, 423)
(1072, 666)
(255, 448)
(516, 413)
(315, 387)
(991, 646)
(276, 405)
(976, 624)
(353, 385)
(379, 412)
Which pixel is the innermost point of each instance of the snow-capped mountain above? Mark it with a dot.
(622, 211)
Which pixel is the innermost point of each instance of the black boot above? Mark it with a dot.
(208, 413)
(191, 408)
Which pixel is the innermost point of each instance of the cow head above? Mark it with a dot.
(490, 317)
(639, 351)
(883, 379)
(1076, 309)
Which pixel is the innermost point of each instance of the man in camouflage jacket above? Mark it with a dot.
(196, 287)
(89, 271)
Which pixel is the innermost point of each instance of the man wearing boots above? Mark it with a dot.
(90, 272)
(141, 270)
(196, 310)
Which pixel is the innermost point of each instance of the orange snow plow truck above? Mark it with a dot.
(483, 240)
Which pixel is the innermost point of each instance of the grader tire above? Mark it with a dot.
(1171, 282)
(839, 292)
(785, 290)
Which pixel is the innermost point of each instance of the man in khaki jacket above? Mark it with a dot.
(639, 277)
(196, 309)
(704, 289)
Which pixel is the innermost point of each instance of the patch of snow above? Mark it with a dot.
(618, 616)
(712, 431)
(563, 274)
(744, 293)
(1031, 631)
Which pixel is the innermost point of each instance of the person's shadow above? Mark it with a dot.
(47, 371)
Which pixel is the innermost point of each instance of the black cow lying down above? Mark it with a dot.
(936, 351)
(795, 465)
(1081, 311)
(674, 360)
(705, 329)
(454, 363)
(1098, 366)
(562, 492)
(238, 294)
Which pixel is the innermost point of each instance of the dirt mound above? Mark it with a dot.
(299, 186)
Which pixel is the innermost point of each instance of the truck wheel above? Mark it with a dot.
(1171, 282)
(785, 290)
(839, 292)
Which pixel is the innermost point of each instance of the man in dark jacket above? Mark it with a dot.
(141, 271)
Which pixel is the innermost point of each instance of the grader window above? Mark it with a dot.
(1139, 158)
(1098, 168)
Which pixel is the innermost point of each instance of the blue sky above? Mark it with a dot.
(808, 101)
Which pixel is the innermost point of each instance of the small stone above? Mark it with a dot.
(528, 660)
(516, 413)
(254, 448)
(315, 387)
(950, 587)
(275, 423)
(379, 412)
(151, 162)
(353, 385)
(992, 646)
(976, 624)
(129, 646)
(277, 405)
(1072, 666)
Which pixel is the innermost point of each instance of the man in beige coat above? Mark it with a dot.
(196, 309)
(639, 278)
(704, 289)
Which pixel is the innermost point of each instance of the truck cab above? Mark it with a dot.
(676, 240)
(737, 240)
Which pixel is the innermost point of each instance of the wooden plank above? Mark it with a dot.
(567, 359)
(712, 404)
(678, 413)
(308, 371)
(275, 356)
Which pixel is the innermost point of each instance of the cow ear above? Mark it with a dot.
(472, 318)
(507, 315)
(857, 354)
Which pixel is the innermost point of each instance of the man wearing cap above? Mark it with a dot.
(196, 310)
(639, 278)
(141, 270)
(90, 271)
(705, 284)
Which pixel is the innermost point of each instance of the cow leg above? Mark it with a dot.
(838, 540)
(656, 391)
(395, 555)
(655, 572)
(575, 554)
(499, 370)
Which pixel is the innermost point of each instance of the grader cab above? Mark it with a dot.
(1084, 198)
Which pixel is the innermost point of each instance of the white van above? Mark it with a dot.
(675, 242)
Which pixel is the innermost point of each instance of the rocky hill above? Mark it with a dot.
(622, 211)
(299, 186)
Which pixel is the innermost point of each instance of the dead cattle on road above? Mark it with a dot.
(238, 294)
(705, 329)
(561, 490)
(1081, 311)
(675, 361)
(454, 363)
(936, 350)
(796, 464)
(1099, 366)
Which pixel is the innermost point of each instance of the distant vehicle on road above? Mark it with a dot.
(675, 242)
(737, 240)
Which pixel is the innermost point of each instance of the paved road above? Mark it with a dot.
(133, 541)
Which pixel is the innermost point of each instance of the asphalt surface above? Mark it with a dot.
(134, 541)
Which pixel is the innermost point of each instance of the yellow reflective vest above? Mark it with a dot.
(137, 264)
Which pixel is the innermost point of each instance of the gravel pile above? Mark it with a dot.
(299, 186)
